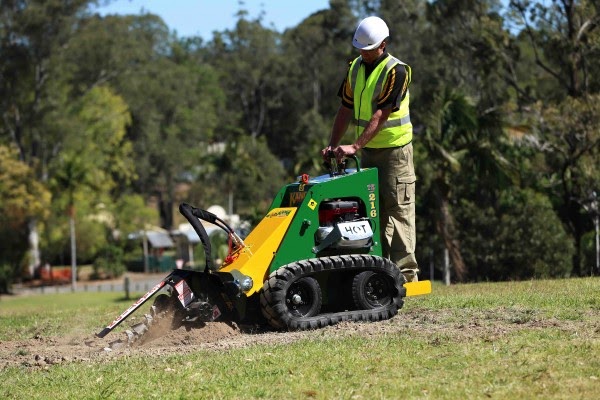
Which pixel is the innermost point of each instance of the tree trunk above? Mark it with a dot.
(574, 224)
(73, 248)
(597, 228)
(445, 227)
(446, 268)
(34, 246)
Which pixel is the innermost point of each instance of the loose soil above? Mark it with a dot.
(460, 325)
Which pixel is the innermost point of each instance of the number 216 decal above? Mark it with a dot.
(372, 199)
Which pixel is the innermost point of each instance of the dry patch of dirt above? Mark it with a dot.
(438, 326)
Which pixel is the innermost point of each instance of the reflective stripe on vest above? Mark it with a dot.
(397, 130)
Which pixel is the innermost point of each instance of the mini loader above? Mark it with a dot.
(314, 260)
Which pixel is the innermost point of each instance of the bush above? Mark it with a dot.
(6, 278)
(522, 238)
(588, 254)
(109, 264)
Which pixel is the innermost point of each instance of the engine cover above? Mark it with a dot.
(331, 212)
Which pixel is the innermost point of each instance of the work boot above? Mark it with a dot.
(410, 274)
(409, 267)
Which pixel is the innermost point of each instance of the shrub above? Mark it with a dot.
(6, 278)
(109, 263)
(588, 254)
(521, 238)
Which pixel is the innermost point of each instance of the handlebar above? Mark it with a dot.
(336, 168)
(192, 214)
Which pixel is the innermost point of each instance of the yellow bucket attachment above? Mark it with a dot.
(417, 288)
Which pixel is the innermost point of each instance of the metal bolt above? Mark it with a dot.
(296, 299)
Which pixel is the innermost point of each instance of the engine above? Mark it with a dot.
(342, 227)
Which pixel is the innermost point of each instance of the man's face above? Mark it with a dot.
(370, 56)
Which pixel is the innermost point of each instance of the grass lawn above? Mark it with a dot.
(509, 340)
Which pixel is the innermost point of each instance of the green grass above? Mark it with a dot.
(59, 314)
(517, 340)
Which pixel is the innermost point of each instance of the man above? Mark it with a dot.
(375, 98)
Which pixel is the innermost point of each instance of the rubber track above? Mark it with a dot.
(272, 296)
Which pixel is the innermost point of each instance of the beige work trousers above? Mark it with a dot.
(396, 172)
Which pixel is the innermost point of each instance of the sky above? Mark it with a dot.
(203, 17)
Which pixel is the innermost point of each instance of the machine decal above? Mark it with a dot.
(278, 213)
(185, 294)
(296, 198)
(372, 198)
(312, 204)
(216, 313)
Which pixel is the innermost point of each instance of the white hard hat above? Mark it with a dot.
(370, 33)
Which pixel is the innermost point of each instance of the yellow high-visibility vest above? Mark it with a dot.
(397, 130)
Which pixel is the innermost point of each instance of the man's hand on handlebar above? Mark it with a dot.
(339, 152)
(347, 150)
(328, 153)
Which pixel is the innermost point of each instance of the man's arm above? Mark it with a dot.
(373, 127)
(340, 126)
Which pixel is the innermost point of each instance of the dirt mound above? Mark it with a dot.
(41, 352)
(163, 334)
(163, 339)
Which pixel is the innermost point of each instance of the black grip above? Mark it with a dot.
(103, 333)
(189, 213)
(204, 215)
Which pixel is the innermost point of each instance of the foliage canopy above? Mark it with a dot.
(105, 111)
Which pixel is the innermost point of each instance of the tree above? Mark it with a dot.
(96, 155)
(317, 53)
(32, 33)
(520, 238)
(563, 38)
(73, 173)
(113, 49)
(452, 120)
(312, 127)
(247, 171)
(570, 141)
(174, 97)
(22, 198)
(110, 106)
(464, 149)
(251, 66)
